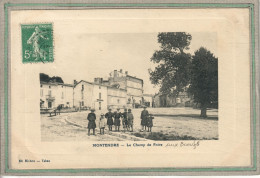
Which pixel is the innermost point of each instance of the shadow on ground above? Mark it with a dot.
(195, 116)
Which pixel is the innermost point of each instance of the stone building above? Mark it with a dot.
(90, 95)
(131, 84)
(53, 94)
(120, 90)
(166, 100)
(116, 97)
(148, 100)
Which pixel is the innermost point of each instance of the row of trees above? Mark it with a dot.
(178, 69)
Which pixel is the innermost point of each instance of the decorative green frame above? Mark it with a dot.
(152, 5)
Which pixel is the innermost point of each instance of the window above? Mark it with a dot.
(41, 86)
(49, 92)
(82, 103)
(118, 101)
(49, 86)
(62, 95)
(99, 87)
(82, 95)
(41, 92)
(99, 105)
(100, 96)
(82, 87)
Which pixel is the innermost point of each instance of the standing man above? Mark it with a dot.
(109, 117)
(91, 122)
(117, 116)
(144, 116)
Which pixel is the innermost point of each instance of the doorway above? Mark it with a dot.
(49, 104)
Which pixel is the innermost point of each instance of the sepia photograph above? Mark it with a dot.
(146, 86)
(120, 89)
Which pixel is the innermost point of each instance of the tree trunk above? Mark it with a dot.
(203, 112)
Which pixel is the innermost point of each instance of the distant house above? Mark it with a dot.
(148, 100)
(167, 100)
(53, 94)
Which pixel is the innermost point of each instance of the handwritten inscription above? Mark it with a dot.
(193, 144)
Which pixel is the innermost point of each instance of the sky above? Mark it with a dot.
(86, 56)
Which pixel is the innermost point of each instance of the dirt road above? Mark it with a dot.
(172, 121)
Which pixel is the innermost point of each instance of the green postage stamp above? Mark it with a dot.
(37, 43)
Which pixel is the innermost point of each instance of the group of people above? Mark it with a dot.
(114, 119)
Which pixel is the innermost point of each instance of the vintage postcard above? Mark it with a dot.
(130, 88)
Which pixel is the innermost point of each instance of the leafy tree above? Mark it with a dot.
(173, 70)
(57, 79)
(46, 78)
(204, 80)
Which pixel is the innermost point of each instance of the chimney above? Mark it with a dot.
(98, 80)
(75, 82)
(115, 73)
(126, 72)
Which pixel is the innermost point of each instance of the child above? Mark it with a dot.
(150, 122)
(102, 124)
(117, 122)
(109, 117)
(130, 119)
(125, 120)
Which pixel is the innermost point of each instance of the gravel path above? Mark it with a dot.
(180, 121)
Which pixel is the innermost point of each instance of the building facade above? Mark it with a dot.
(120, 90)
(83, 91)
(116, 97)
(53, 94)
(90, 95)
(148, 100)
(132, 85)
(99, 97)
(166, 100)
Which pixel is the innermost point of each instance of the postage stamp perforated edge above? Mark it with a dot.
(49, 58)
